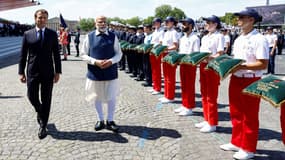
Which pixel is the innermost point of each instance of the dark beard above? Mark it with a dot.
(185, 29)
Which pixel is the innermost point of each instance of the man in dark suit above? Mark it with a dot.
(77, 41)
(40, 47)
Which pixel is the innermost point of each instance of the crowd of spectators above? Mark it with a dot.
(13, 29)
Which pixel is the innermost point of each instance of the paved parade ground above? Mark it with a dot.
(148, 129)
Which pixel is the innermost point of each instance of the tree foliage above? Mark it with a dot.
(87, 24)
(148, 20)
(166, 10)
(229, 18)
(116, 19)
(135, 21)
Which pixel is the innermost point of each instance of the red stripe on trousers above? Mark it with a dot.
(282, 121)
(209, 84)
(169, 73)
(187, 78)
(244, 114)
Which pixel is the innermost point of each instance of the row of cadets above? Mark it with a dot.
(155, 62)
(170, 39)
(146, 58)
(189, 43)
(213, 43)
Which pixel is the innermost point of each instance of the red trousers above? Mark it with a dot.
(155, 63)
(282, 121)
(244, 114)
(169, 73)
(209, 84)
(187, 78)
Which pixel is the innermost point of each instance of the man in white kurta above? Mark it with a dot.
(101, 51)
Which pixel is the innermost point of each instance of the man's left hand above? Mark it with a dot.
(106, 64)
(56, 77)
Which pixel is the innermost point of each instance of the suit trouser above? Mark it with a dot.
(41, 106)
(279, 48)
(130, 60)
(122, 62)
(77, 49)
(68, 48)
(139, 65)
(282, 121)
(244, 111)
(155, 63)
(147, 68)
(271, 63)
(209, 84)
(169, 73)
(187, 78)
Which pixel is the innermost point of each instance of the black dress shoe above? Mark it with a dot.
(112, 126)
(146, 84)
(121, 69)
(42, 133)
(99, 125)
(40, 122)
(139, 79)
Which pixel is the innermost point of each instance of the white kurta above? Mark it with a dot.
(101, 90)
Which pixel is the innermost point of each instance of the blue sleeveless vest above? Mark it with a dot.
(102, 47)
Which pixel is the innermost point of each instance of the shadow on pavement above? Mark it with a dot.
(269, 155)
(278, 74)
(149, 133)
(9, 60)
(9, 97)
(198, 104)
(138, 131)
(84, 135)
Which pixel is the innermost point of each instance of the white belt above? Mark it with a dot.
(247, 75)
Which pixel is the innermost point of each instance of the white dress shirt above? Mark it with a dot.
(251, 47)
(38, 33)
(271, 38)
(157, 36)
(170, 37)
(189, 43)
(212, 43)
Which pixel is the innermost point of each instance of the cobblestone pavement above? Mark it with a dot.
(149, 130)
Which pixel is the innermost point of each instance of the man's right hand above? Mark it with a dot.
(100, 63)
(23, 78)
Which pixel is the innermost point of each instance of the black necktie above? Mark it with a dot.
(41, 36)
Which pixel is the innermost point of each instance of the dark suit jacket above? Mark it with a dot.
(43, 59)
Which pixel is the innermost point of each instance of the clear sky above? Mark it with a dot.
(73, 9)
